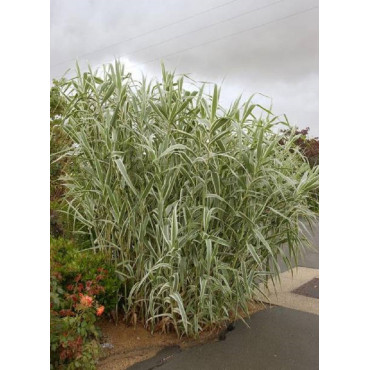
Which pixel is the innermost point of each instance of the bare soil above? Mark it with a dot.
(135, 344)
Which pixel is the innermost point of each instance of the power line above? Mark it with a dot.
(203, 28)
(223, 37)
(147, 32)
(227, 36)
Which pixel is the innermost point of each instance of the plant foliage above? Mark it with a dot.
(194, 201)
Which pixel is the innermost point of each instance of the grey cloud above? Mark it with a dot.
(279, 60)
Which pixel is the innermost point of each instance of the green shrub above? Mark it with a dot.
(309, 147)
(58, 142)
(65, 226)
(58, 139)
(195, 201)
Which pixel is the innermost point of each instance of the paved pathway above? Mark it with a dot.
(278, 338)
(286, 295)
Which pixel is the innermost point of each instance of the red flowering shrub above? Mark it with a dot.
(100, 310)
(92, 272)
(77, 296)
(74, 337)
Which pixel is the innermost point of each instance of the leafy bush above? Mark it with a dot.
(309, 147)
(195, 201)
(82, 287)
(58, 139)
(95, 270)
(62, 225)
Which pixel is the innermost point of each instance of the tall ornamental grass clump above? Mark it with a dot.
(194, 201)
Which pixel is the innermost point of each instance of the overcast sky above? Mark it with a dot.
(249, 46)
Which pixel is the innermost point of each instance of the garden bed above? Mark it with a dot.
(132, 345)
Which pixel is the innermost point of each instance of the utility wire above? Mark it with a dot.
(203, 28)
(147, 32)
(223, 37)
(227, 36)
